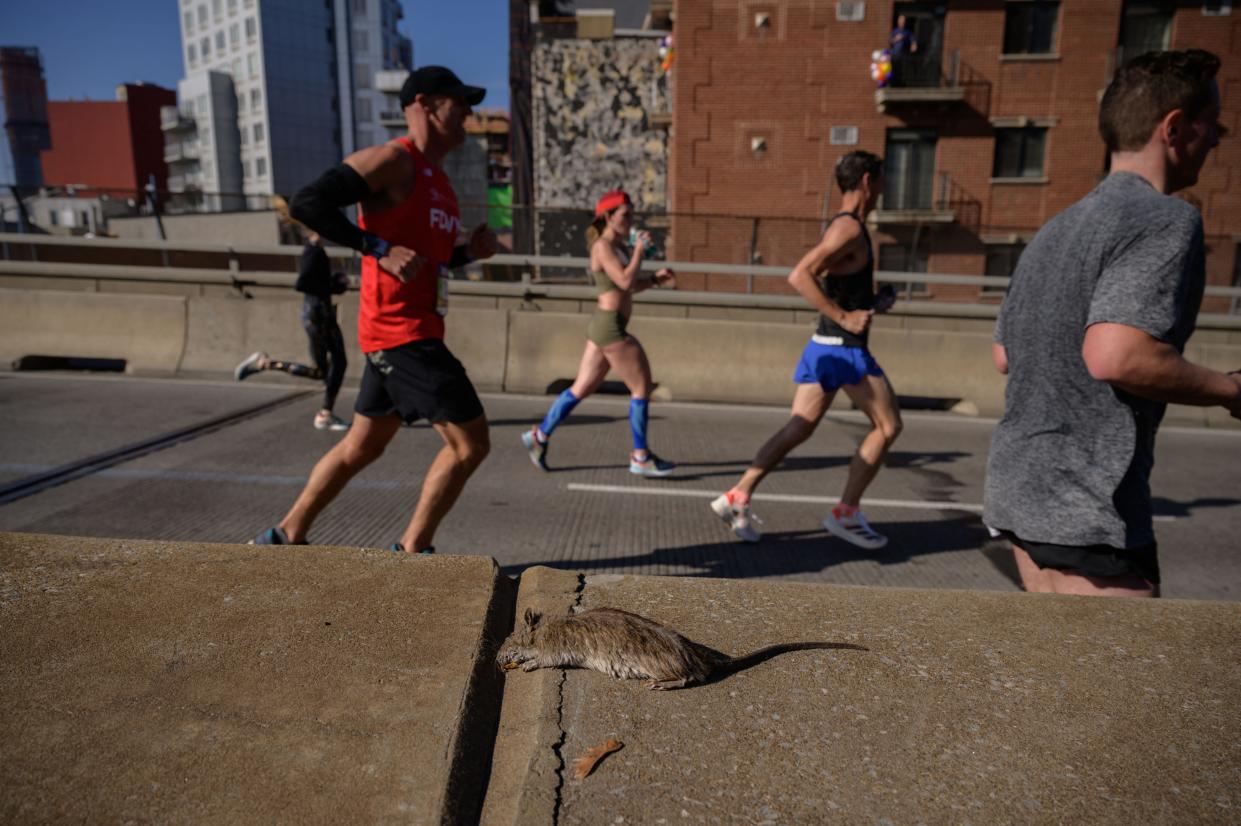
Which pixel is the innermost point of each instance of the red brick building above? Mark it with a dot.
(991, 133)
(110, 145)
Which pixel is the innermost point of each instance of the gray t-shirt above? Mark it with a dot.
(1071, 459)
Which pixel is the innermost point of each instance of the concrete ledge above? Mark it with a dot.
(526, 768)
(967, 707)
(161, 682)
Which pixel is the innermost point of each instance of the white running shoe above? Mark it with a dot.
(854, 529)
(332, 422)
(738, 517)
(256, 362)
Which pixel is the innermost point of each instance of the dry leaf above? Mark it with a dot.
(585, 764)
(509, 666)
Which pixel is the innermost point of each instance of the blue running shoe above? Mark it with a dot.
(273, 536)
(652, 465)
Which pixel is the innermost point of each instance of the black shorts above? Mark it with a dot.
(418, 380)
(1092, 560)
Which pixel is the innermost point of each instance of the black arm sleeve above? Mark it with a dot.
(460, 256)
(318, 206)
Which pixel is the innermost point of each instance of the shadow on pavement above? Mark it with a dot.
(786, 553)
(1168, 507)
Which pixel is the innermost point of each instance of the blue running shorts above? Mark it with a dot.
(832, 366)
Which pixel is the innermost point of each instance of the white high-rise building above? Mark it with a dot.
(275, 92)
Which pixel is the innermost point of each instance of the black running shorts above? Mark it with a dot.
(1092, 560)
(418, 380)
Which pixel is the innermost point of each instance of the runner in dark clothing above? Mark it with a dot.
(318, 283)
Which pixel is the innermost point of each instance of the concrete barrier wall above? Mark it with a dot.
(148, 331)
(733, 354)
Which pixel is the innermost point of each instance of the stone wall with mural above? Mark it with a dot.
(597, 106)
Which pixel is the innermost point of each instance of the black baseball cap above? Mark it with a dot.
(436, 80)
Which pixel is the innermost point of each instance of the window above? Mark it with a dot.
(251, 29)
(236, 70)
(1019, 152)
(362, 76)
(256, 99)
(252, 64)
(361, 42)
(1001, 261)
(362, 108)
(1030, 27)
(1217, 8)
(188, 20)
(217, 9)
(249, 4)
(246, 169)
(1145, 26)
(260, 166)
(232, 7)
(359, 8)
(234, 36)
(909, 181)
(202, 16)
(204, 47)
(245, 137)
(191, 54)
(219, 41)
(258, 133)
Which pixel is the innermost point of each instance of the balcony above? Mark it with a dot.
(916, 204)
(184, 183)
(180, 151)
(171, 120)
(916, 82)
(390, 81)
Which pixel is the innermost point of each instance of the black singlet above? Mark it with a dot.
(855, 291)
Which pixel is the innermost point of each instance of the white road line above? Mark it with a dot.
(779, 497)
(911, 504)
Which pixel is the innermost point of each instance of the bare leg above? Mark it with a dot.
(810, 402)
(591, 372)
(363, 444)
(874, 397)
(1038, 580)
(465, 447)
(628, 360)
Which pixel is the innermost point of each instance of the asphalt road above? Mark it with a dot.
(219, 461)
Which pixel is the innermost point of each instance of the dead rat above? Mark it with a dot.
(628, 646)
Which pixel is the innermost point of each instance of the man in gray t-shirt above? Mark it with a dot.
(1091, 335)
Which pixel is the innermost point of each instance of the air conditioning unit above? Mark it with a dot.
(851, 11)
(844, 136)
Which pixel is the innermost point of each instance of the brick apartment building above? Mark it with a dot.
(109, 145)
(992, 133)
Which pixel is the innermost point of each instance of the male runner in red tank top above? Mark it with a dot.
(408, 235)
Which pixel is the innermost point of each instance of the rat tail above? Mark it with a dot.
(734, 664)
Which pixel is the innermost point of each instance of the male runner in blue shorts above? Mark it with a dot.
(837, 279)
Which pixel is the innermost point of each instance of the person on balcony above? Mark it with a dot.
(902, 45)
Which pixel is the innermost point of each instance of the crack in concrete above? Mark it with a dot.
(558, 748)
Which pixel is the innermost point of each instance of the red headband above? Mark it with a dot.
(610, 201)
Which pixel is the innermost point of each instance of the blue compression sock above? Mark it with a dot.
(637, 422)
(559, 411)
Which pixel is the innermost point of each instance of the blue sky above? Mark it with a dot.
(89, 47)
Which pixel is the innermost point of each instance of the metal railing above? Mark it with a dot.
(226, 267)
